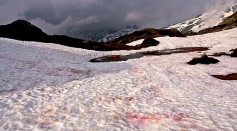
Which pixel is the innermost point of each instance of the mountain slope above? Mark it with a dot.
(23, 30)
(105, 35)
(212, 17)
(118, 33)
(228, 23)
(147, 33)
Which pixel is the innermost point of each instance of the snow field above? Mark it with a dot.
(149, 93)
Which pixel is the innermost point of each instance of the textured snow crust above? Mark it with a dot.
(52, 87)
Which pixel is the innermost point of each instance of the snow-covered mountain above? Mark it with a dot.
(108, 34)
(212, 17)
(118, 33)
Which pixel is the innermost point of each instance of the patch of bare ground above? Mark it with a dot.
(232, 54)
(177, 50)
(232, 76)
(114, 58)
(218, 54)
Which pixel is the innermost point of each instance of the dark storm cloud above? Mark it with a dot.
(67, 16)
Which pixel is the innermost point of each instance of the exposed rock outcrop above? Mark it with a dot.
(204, 59)
(150, 42)
(234, 53)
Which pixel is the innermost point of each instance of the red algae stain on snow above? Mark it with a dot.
(135, 119)
(137, 70)
(115, 98)
(155, 90)
(231, 116)
(179, 117)
(124, 99)
(144, 118)
(75, 71)
(128, 99)
(60, 69)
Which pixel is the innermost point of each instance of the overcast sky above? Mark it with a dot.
(65, 16)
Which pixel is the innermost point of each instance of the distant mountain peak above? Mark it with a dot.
(22, 30)
(21, 22)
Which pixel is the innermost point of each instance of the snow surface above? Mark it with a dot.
(212, 17)
(134, 43)
(46, 86)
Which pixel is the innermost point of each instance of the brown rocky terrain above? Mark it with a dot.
(149, 32)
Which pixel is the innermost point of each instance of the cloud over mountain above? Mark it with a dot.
(65, 17)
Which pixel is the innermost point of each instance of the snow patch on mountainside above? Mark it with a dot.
(124, 31)
(105, 35)
(212, 17)
(134, 43)
(47, 86)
